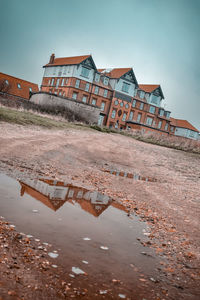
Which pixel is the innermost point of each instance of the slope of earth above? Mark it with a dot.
(170, 204)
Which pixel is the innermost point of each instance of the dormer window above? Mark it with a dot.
(97, 77)
(125, 87)
(19, 86)
(85, 72)
(105, 81)
(141, 94)
(155, 99)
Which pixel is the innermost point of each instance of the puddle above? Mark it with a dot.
(86, 226)
(131, 175)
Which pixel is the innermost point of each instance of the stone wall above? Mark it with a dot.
(85, 111)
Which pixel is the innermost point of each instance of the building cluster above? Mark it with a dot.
(124, 103)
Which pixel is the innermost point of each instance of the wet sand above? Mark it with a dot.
(169, 204)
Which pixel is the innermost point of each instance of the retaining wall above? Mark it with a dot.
(86, 111)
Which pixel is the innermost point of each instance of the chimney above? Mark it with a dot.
(51, 61)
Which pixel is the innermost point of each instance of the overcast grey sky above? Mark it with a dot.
(160, 39)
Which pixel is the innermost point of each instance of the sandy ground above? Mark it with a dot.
(171, 205)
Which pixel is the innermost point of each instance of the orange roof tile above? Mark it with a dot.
(182, 124)
(13, 88)
(74, 60)
(116, 72)
(149, 88)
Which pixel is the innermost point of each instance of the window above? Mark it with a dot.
(103, 106)
(139, 116)
(152, 109)
(87, 86)
(63, 81)
(6, 82)
(57, 82)
(77, 83)
(60, 93)
(167, 114)
(125, 87)
(85, 72)
(63, 94)
(96, 90)
(116, 102)
(161, 113)
(84, 99)
(131, 116)
(105, 94)
(149, 121)
(30, 89)
(121, 104)
(94, 101)
(172, 128)
(155, 99)
(66, 81)
(166, 126)
(100, 120)
(134, 103)
(64, 70)
(124, 117)
(113, 114)
(19, 86)
(74, 95)
(147, 96)
(97, 77)
(141, 94)
(49, 82)
(105, 81)
(159, 124)
(191, 133)
(141, 105)
(52, 82)
(127, 106)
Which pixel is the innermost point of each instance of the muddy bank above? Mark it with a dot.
(169, 205)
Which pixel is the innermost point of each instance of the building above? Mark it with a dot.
(124, 103)
(15, 87)
(183, 128)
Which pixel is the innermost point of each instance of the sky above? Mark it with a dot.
(159, 39)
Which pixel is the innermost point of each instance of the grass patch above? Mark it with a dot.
(28, 118)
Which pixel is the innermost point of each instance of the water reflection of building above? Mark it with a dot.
(55, 193)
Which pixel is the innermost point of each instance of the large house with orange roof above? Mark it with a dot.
(124, 103)
(15, 87)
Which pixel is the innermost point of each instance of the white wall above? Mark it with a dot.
(66, 71)
(119, 84)
(186, 133)
(77, 74)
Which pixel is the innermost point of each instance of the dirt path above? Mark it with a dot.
(170, 205)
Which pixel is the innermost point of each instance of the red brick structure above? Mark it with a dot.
(15, 87)
(124, 103)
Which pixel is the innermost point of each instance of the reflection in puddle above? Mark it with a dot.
(131, 175)
(90, 230)
(55, 193)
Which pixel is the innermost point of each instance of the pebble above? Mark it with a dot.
(53, 255)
